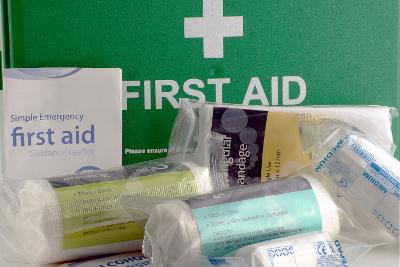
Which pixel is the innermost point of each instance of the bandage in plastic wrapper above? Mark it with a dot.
(180, 232)
(252, 144)
(316, 249)
(362, 171)
(133, 259)
(78, 216)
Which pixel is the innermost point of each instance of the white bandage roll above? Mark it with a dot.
(307, 250)
(178, 233)
(79, 216)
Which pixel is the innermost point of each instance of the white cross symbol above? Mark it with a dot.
(213, 27)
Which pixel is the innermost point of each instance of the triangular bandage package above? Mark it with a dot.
(60, 121)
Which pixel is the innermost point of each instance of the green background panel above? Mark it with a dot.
(346, 51)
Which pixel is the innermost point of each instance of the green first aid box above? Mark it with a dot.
(235, 51)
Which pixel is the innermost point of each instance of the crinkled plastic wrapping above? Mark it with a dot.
(180, 232)
(252, 144)
(78, 216)
(363, 172)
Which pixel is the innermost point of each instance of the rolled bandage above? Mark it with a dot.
(178, 233)
(364, 173)
(306, 250)
(79, 216)
(134, 259)
(253, 144)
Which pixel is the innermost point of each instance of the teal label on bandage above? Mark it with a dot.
(228, 226)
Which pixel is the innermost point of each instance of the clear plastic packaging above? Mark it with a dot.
(180, 232)
(78, 216)
(362, 171)
(252, 144)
